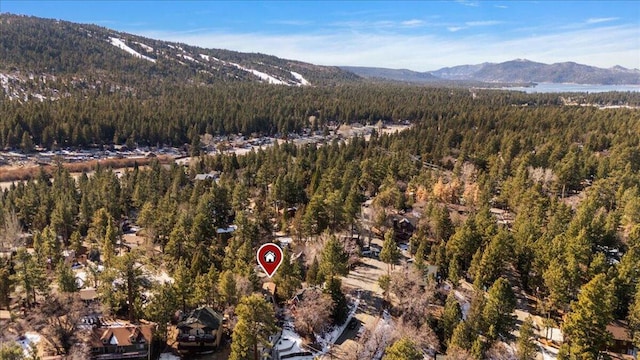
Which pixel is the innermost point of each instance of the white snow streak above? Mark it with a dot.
(266, 77)
(187, 57)
(145, 46)
(120, 44)
(205, 57)
(301, 80)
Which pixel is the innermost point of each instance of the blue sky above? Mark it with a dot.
(418, 35)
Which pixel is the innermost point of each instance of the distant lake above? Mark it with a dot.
(553, 88)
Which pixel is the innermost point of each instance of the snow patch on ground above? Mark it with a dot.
(168, 356)
(162, 277)
(465, 305)
(187, 57)
(329, 339)
(265, 77)
(205, 57)
(121, 44)
(291, 343)
(548, 353)
(145, 47)
(301, 80)
(29, 338)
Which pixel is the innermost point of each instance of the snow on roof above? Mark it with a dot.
(230, 229)
(121, 44)
(284, 239)
(301, 80)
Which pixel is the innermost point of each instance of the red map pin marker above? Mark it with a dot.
(269, 257)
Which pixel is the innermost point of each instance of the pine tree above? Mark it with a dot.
(6, 285)
(65, 277)
(287, 279)
(206, 287)
(585, 327)
(256, 322)
(30, 275)
(634, 319)
(501, 302)
(390, 253)
(461, 337)
(477, 349)
(403, 349)
(76, 242)
(526, 348)
(227, 288)
(312, 276)
(131, 271)
(340, 307)
(108, 243)
(183, 284)
(161, 308)
(334, 259)
(451, 317)
(11, 351)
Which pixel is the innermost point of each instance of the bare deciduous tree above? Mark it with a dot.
(424, 337)
(500, 351)
(11, 230)
(413, 293)
(58, 320)
(313, 313)
(456, 353)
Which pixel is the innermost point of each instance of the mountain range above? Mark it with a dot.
(84, 55)
(514, 71)
(89, 58)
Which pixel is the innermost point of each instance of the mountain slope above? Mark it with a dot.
(391, 74)
(89, 53)
(530, 71)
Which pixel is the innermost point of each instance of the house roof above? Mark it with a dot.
(203, 316)
(619, 330)
(88, 294)
(269, 287)
(123, 335)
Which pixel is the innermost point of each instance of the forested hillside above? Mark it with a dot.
(178, 114)
(72, 58)
(489, 206)
(525, 154)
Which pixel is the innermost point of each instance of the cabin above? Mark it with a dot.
(622, 343)
(403, 228)
(200, 331)
(269, 291)
(121, 342)
(88, 295)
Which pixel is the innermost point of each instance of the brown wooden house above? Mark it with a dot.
(201, 331)
(121, 342)
(622, 343)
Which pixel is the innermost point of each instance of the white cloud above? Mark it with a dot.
(501, 6)
(471, 24)
(412, 23)
(482, 23)
(468, 3)
(290, 22)
(600, 20)
(602, 46)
